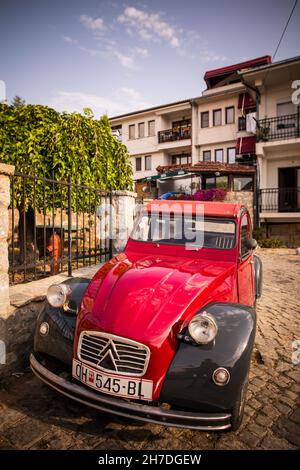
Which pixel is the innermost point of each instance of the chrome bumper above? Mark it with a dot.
(127, 409)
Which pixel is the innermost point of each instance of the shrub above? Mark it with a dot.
(270, 243)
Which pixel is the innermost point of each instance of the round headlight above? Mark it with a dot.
(203, 328)
(58, 294)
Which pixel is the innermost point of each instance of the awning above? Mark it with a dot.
(167, 174)
(246, 145)
(246, 101)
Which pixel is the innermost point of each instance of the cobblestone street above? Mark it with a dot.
(34, 417)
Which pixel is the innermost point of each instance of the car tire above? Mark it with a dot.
(237, 411)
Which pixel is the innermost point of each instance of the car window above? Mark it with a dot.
(185, 229)
(245, 233)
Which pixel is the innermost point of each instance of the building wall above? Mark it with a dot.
(149, 145)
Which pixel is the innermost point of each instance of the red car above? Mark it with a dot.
(164, 331)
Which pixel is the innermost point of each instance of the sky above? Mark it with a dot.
(115, 57)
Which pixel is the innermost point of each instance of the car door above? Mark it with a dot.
(245, 275)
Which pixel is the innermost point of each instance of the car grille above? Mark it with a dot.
(113, 354)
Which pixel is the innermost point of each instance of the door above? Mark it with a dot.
(245, 265)
(287, 189)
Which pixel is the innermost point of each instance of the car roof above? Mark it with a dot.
(217, 209)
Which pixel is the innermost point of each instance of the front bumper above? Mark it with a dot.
(128, 409)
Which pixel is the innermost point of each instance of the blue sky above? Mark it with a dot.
(116, 57)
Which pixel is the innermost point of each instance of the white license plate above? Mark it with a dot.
(112, 384)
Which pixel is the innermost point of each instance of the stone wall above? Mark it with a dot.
(242, 197)
(20, 304)
(5, 172)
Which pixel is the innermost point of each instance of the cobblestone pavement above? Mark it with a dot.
(35, 417)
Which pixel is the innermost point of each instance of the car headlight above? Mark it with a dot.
(58, 294)
(203, 328)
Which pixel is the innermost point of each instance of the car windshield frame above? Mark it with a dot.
(210, 218)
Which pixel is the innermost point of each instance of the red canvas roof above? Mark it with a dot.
(264, 60)
(217, 209)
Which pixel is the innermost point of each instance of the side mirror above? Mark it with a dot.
(251, 243)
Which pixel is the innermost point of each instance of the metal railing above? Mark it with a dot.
(170, 135)
(56, 226)
(280, 127)
(279, 200)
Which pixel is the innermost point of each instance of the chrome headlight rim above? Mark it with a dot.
(199, 318)
(58, 295)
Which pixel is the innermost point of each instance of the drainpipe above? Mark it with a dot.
(256, 187)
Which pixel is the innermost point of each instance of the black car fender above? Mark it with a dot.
(59, 338)
(189, 383)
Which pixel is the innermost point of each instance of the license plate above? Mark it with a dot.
(112, 384)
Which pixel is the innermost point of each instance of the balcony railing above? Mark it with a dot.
(281, 127)
(279, 200)
(170, 135)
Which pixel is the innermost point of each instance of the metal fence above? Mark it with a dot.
(279, 200)
(56, 226)
(280, 127)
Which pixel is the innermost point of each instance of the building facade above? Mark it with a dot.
(278, 146)
(218, 139)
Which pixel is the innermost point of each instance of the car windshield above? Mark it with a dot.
(188, 230)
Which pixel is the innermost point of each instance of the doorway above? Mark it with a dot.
(288, 189)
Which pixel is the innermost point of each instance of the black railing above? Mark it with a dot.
(170, 135)
(280, 127)
(56, 226)
(279, 200)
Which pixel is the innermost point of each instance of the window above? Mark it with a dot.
(217, 117)
(205, 119)
(117, 132)
(181, 159)
(219, 155)
(186, 229)
(138, 164)
(206, 156)
(141, 128)
(132, 131)
(220, 182)
(148, 162)
(229, 115)
(284, 109)
(242, 183)
(245, 234)
(242, 123)
(231, 155)
(151, 128)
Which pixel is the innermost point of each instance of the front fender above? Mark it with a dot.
(58, 342)
(189, 383)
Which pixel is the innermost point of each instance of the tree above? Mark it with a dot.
(38, 140)
(18, 101)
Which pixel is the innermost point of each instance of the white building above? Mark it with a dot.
(278, 146)
(213, 138)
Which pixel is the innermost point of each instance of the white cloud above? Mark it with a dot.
(125, 60)
(208, 56)
(95, 24)
(149, 25)
(142, 52)
(123, 100)
(70, 40)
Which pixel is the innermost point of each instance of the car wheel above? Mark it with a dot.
(237, 412)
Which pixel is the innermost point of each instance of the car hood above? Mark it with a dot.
(149, 298)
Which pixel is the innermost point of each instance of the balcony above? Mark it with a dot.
(279, 200)
(278, 128)
(171, 135)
